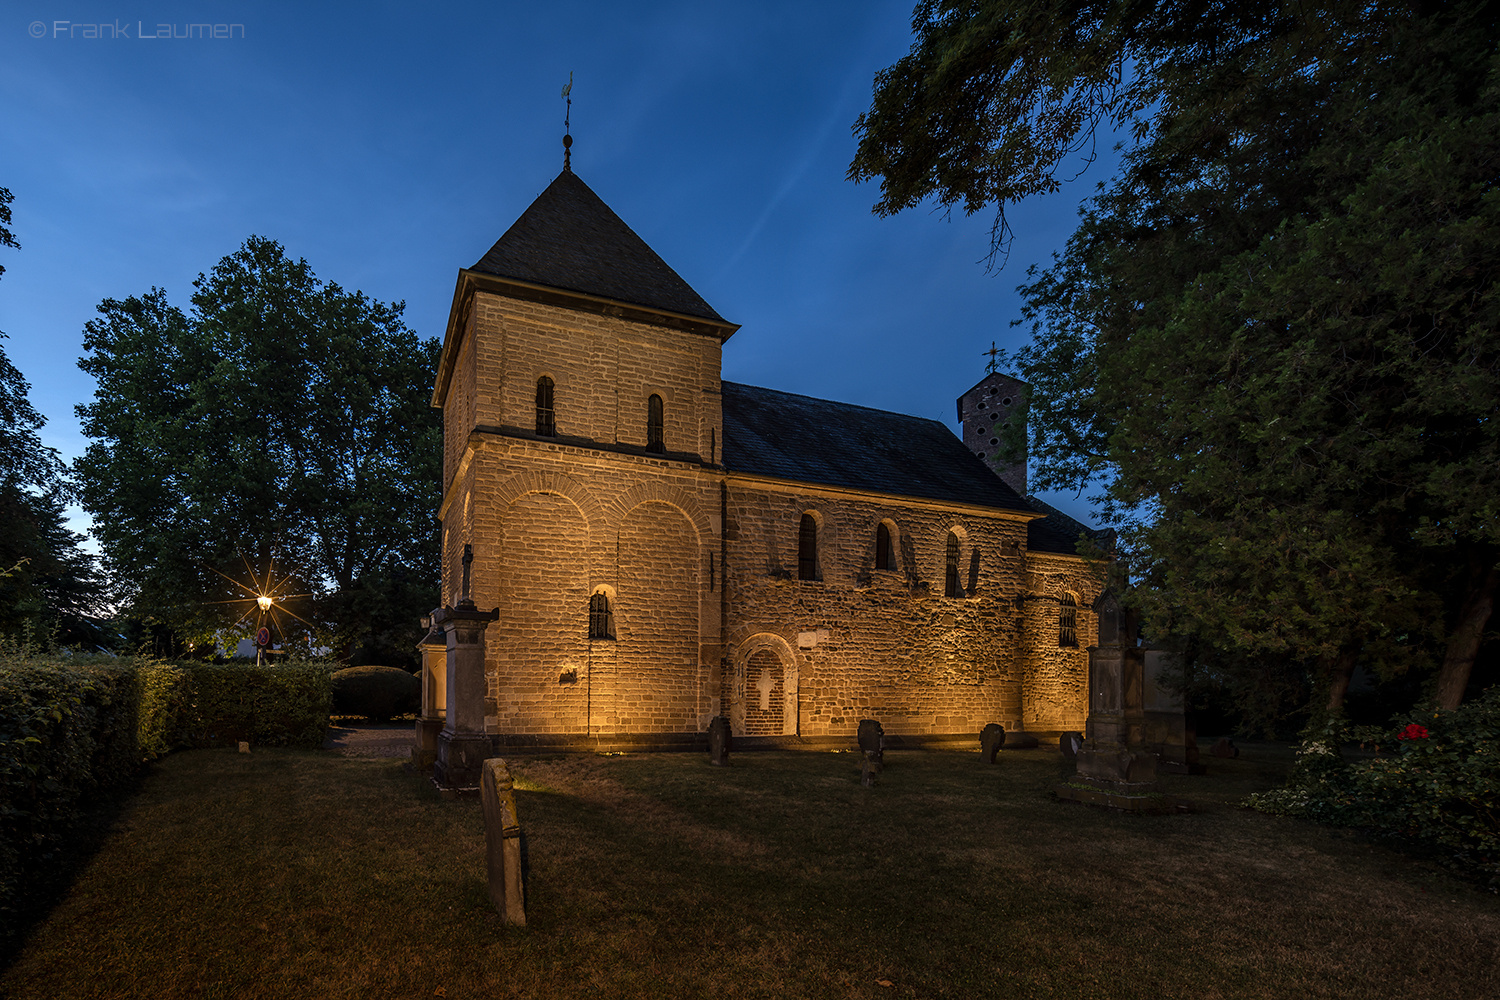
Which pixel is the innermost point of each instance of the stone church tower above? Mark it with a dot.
(664, 547)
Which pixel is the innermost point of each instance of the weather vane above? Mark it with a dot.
(567, 93)
(994, 353)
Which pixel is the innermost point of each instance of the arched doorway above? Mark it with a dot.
(764, 698)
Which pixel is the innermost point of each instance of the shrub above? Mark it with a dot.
(1434, 784)
(376, 692)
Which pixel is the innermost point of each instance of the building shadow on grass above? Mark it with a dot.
(47, 879)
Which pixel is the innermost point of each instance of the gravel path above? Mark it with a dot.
(371, 739)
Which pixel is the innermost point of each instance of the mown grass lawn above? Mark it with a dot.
(304, 874)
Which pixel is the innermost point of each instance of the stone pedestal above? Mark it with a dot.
(463, 745)
(433, 649)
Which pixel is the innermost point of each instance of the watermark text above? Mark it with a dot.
(139, 31)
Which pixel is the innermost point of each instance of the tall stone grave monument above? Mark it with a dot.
(433, 650)
(463, 746)
(1117, 762)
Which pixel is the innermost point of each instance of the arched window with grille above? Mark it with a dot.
(601, 617)
(1067, 621)
(546, 418)
(951, 588)
(883, 554)
(654, 440)
(807, 548)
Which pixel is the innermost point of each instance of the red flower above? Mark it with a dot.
(1412, 732)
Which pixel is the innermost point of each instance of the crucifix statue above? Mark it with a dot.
(464, 600)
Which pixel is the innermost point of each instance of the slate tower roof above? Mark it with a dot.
(570, 239)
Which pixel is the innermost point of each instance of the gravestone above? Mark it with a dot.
(872, 739)
(719, 740)
(991, 739)
(872, 742)
(502, 839)
(1225, 748)
(1070, 743)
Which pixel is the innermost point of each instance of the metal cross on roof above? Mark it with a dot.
(567, 93)
(994, 353)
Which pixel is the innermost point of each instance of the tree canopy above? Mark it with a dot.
(1270, 341)
(48, 584)
(281, 428)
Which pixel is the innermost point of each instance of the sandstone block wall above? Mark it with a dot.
(604, 371)
(553, 520)
(1055, 677)
(868, 643)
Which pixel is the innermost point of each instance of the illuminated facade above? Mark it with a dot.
(664, 547)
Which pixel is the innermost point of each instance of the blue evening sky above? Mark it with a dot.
(390, 144)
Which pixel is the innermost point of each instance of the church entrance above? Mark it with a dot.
(764, 698)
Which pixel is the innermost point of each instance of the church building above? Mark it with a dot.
(664, 547)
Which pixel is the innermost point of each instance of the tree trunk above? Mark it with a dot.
(1340, 670)
(1463, 644)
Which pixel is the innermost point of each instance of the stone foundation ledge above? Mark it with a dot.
(509, 744)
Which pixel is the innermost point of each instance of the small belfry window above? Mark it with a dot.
(1067, 621)
(807, 549)
(546, 418)
(951, 587)
(601, 617)
(654, 424)
(883, 558)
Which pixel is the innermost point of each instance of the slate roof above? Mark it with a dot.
(570, 239)
(1057, 532)
(809, 440)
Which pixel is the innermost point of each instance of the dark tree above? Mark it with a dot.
(281, 426)
(1270, 340)
(49, 591)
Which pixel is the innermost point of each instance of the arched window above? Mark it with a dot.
(653, 424)
(1067, 621)
(546, 419)
(807, 549)
(601, 617)
(951, 587)
(883, 554)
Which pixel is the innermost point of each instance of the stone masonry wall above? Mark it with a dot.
(552, 520)
(1055, 677)
(870, 643)
(604, 371)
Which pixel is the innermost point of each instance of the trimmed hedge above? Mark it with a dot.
(377, 693)
(72, 731)
(277, 706)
